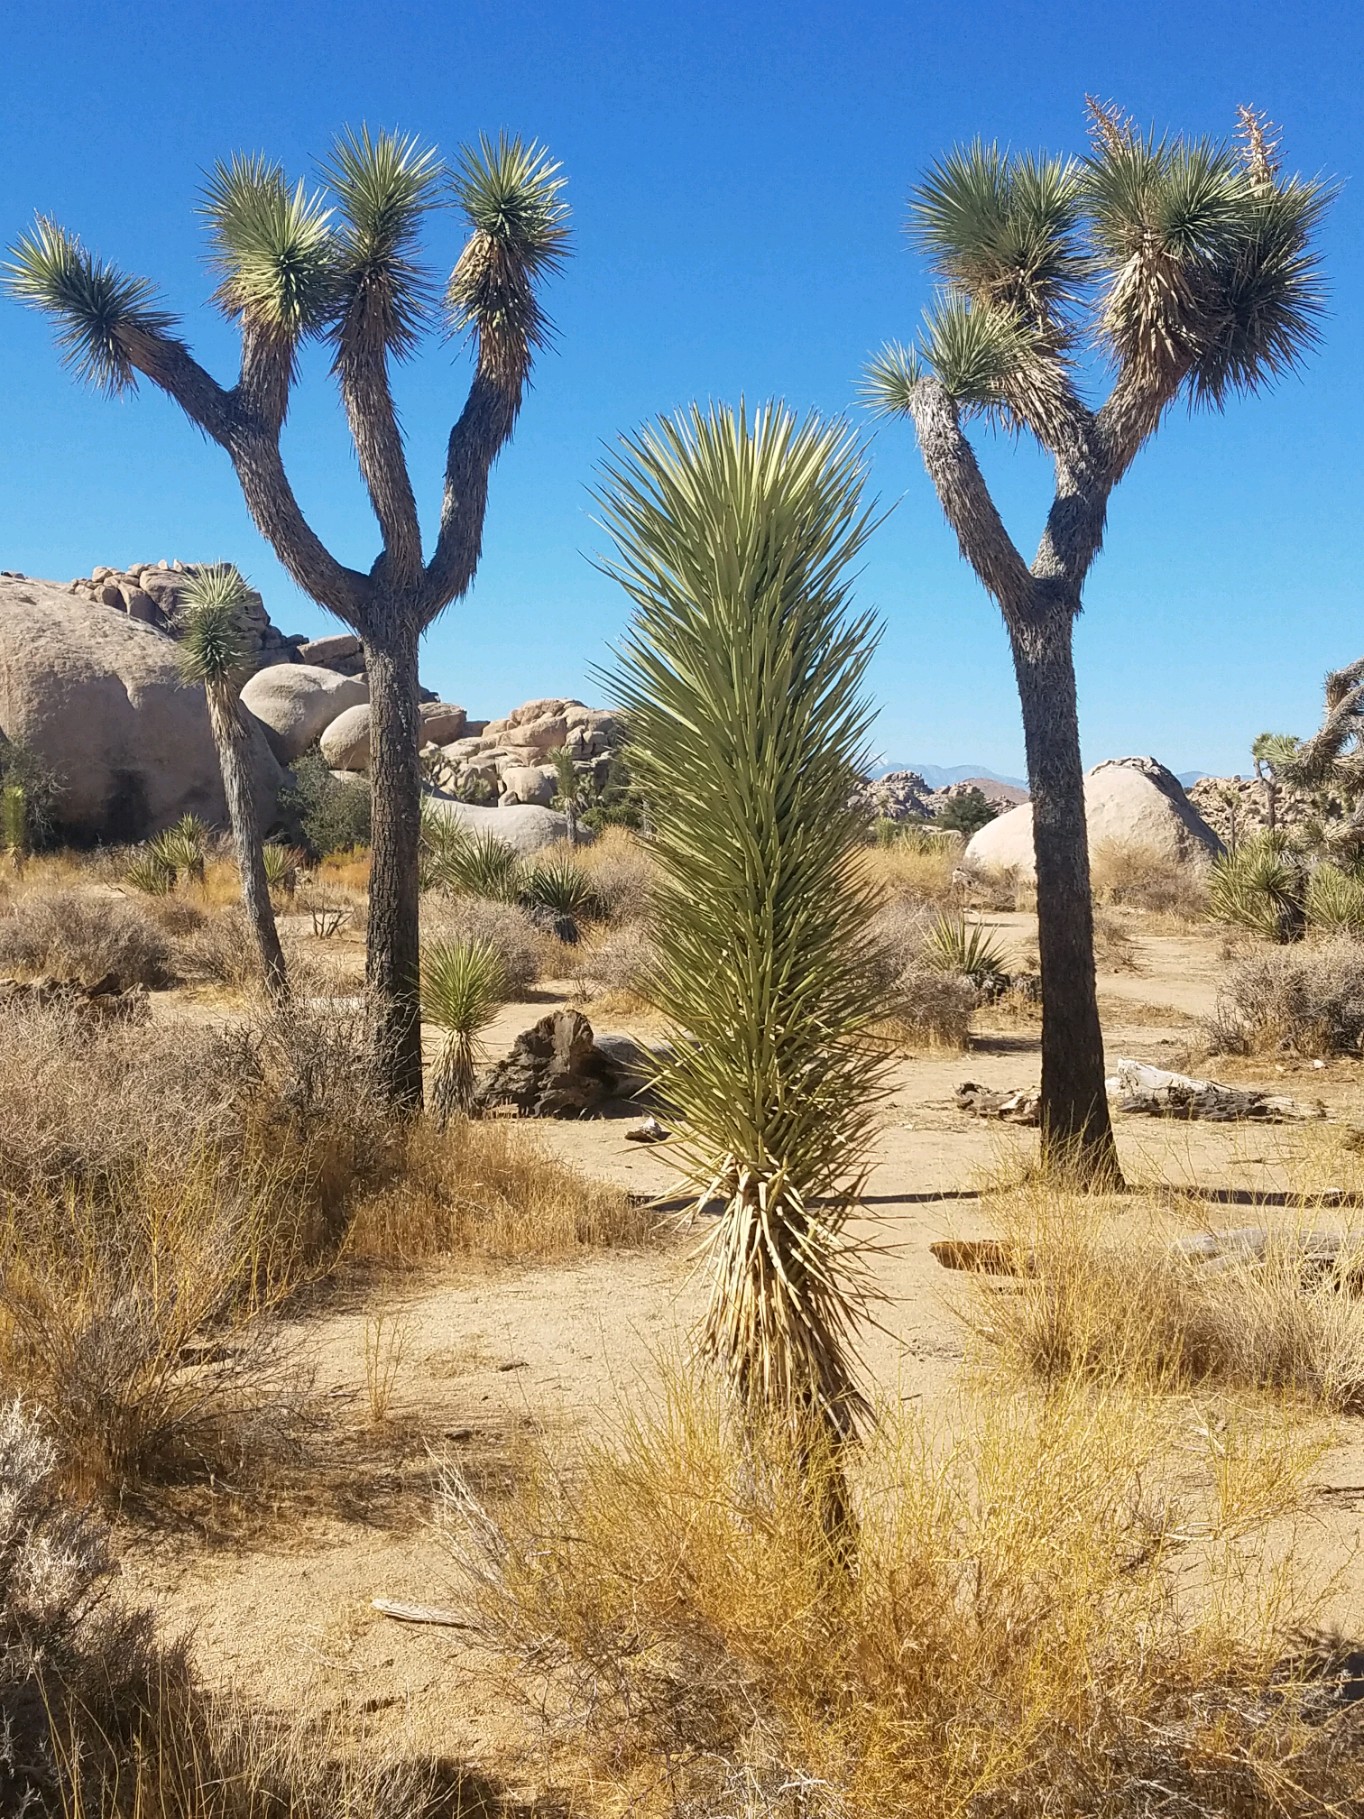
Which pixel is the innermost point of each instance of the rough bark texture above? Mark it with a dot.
(1077, 1132)
(229, 733)
(394, 952)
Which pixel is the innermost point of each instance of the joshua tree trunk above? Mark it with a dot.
(229, 734)
(1077, 1133)
(394, 949)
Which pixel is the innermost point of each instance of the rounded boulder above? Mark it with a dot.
(98, 696)
(296, 702)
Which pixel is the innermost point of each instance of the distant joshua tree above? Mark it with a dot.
(295, 265)
(213, 650)
(1332, 760)
(1191, 267)
(1270, 753)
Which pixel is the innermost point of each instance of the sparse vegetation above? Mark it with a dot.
(462, 986)
(1132, 876)
(1307, 999)
(82, 936)
(332, 815)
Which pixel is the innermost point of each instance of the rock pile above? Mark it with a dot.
(150, 592)
(512, 755)
(1237, 808)
(905, 796)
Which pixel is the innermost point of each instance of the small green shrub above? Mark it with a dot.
(562, 891)
(954, 945)
(966, 813)
(462, 985)
(1258, 887)
(331, 816)
(1335, 901)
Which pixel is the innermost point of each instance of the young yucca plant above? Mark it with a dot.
(562, 891)
(1258, 887)
(15, 831)
(463, 983)
(215, 652)
(282, 865)
(149, 873)
(955, 945)
(481, 865)
(1335, 901)
(743, 675)
(183, 848)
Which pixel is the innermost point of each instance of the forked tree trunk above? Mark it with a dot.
(1077, 1132)
(230, 736)
(394, 952)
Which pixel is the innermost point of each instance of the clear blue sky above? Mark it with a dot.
(738, 175)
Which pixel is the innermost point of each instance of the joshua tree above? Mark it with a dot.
(743, 676)
(1269, 753)
(1191, 267)
(213, 650)
(295, 265)
(463, 982)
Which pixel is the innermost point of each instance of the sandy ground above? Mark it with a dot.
(278, 1604)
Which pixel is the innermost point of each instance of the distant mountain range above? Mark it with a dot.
(938, 776)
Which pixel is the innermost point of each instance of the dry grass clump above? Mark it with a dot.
(1307, 999)
(622, 872)
(524, 950)
(80, 935)
(925, 1005)
(1137, 876)
(1114, 949)
(1100, 1300)
(617, 964)
(923, 873)
(484, 1189)
(1020, 1633)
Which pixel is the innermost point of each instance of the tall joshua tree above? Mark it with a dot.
(342, 264)
(213, 650)
(743, 677)
(1188, 270)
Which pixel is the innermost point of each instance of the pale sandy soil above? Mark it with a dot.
(278, 1602)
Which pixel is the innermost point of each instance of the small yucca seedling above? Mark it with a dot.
(282, 865)
(463, 983)
(562, 890)
(1335, 901)
(1258, 887)
(955, 945)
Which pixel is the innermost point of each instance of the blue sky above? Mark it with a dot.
(738, 175)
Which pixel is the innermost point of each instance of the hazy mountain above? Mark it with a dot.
(1188, 777)
(938, 776)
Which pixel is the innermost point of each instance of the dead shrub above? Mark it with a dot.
(522, 948)
(1114, 949)
(1139, 876)
(1307, 999)
(82, 936)
(1021, 1633)
(994, 887)
(931, 1009)
(618, 963)
(622, 872)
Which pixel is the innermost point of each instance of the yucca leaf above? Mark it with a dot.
(272, 247)
(214, 645)
(462, 985)
(385, 184)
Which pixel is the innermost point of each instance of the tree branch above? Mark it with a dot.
(362, 373)
(169, 364)
(484, 426)
(965, 498)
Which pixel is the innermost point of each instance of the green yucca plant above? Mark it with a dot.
(480, 865)
(743, 674)
(463, 983)
(282, 865)
(1259, 887)
(955, 945)
(1335, 901)
(182, 849)
(148, 872)
(562, 890)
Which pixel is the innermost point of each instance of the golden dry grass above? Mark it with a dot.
(921, 874)
(1060, 1600)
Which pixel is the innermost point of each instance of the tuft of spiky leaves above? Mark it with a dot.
(384, 183)
(743, 674)
(1335, 900)
(282, 866)
(561, 889)
(271, 247)
(1258, 887)
(96, 307)
(954, 945)
(476, 865)
(462, 984)
(511, 194)
(214, 646)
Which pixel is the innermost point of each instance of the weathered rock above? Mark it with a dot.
(296, 702)
(345, 740)
(1132, 801)
(441, 722)
(1159, 1093)
(339, 647)
(525, 828)
(555, 1070)
(100, 699)
(528, 783)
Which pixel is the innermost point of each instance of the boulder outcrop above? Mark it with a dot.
(296, 702)
(97, 695)
(1132, 801)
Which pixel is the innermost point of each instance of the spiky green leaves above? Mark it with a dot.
(385, 184)
(272, 248)
(96, 307)
(213, 644)
(1004, 230)
(462, 984)
(511, 194)
(743, 674)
